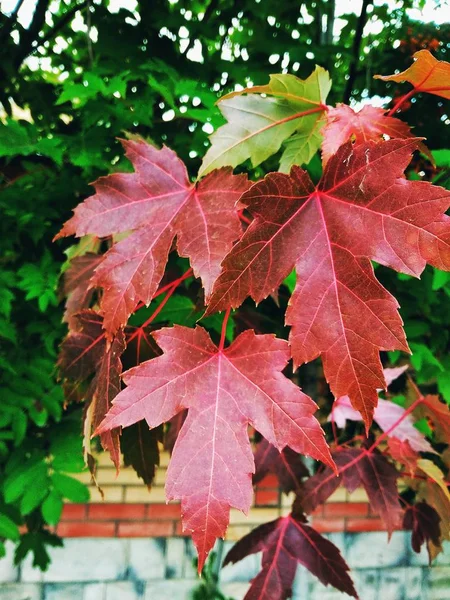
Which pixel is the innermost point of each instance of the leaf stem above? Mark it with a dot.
(224, 329)
(353, 462)
(170, 289)
(386, 433)
(400, 101)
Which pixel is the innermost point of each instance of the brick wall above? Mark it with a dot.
(130, 510)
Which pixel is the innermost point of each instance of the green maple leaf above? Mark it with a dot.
(259, 124)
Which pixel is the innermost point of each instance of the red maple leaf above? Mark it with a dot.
(370, 123)
(103, 389)
(424, 522)
(83, 349)
(284, 544)
(156, 203)
(357, 467)
(86, 351)
(77, 286)
(287, 465)
(402, 452)
(224, 391)
(363, 209)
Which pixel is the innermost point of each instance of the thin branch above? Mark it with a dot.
(67, 16)
(31, 35)
(10, 23)
(362, 20)
(169, 289)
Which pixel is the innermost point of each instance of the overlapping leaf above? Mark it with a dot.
(86, 352)
(426, 74)
(77, 286)
(103, 389)
(287, 465)
(284, 544)
(141, 451)
(424, 522)
(439, 415)
(434, 491)
(357, 467)
(84, 347)
(224, 391)
(362, 209)
(157, 203)
(402, 452)
(392, 419)
(370, 123)
(257, 126)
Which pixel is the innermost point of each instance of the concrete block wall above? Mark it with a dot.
(162, 569)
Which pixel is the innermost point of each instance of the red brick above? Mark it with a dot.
(317, 512)
(266, 497)
(86, 529)
(164, 511)
(346, 509)
(146, 529)
(328, 525)
(74, 512)
(269, 481)
(120, 512)
(365, 525)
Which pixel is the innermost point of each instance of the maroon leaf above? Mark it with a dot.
(77, 286)
(285, 543)
(140, 450)
(363, 209)
(84, 347)
(357, 467)
(317, 489)
(224, 391)
(157, 203)
(287, 465)
(424, 522)
(103, 389)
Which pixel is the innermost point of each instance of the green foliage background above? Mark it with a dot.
(78, 77)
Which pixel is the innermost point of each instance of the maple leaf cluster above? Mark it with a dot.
(242, 238)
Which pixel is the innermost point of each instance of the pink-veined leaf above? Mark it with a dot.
(77, 286)
(363, 209)
(284, 544)
(369, 123)
(103, 389)
(224, 391)
(402, 452)
(358, 467)
(156, 203)
(386, 414)
(84, 347)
